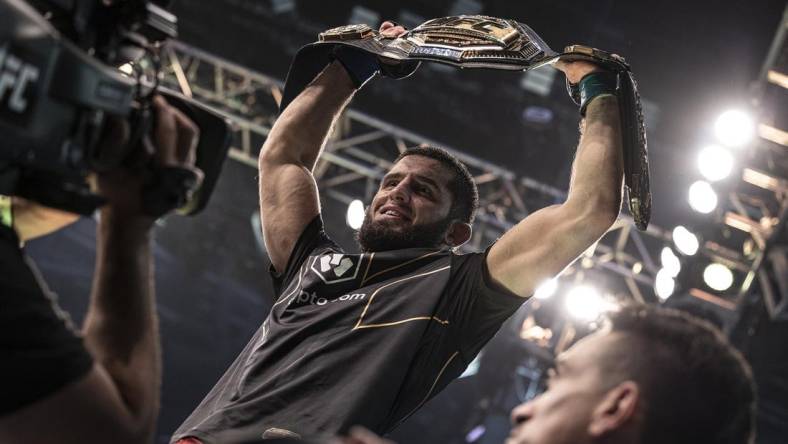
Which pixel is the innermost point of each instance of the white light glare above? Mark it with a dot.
(664, 284)
(670, 262)
(127, 69)
(702, 197)
(734, 128)
(715, 162)
(718, 277)
(355, 214)
(586, 304)
(685, 241)
(546, 289)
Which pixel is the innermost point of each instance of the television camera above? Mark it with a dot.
(61, 85)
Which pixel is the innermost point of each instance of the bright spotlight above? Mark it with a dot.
(702, 197)
(670, 262)
(546, 289)
(734, 128)
(127, 69)
(715, 162)
(664, 284)
(685, 241)
(586, 304)
(718, 277)
(355, 214)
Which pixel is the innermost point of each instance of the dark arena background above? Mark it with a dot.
(712, 75)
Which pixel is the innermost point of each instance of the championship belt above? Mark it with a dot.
(476, 41)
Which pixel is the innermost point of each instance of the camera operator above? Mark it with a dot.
(101, 385)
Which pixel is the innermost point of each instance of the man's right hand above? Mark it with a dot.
(288, 191)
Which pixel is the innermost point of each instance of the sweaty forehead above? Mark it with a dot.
(422, 166)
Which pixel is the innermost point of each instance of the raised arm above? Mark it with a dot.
(546, 242)
(288, 192)
(118, 399)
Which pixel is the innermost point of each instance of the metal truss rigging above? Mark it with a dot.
(759, 201)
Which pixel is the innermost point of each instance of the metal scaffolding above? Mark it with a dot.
(362, 148)
(759, 201)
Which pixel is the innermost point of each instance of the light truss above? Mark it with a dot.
(363, 147)
(750, 235)
(759, 203)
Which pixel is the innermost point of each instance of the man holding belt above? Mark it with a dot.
(369, 338)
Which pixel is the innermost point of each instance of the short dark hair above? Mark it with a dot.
(465, 195)
(696, 386)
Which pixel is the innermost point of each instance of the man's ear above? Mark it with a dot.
(458, 234)
(616, 409)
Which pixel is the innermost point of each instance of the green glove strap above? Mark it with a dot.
(594, 85)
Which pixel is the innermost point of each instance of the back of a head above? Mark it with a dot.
(697, 388)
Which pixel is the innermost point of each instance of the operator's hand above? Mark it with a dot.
(173, 143)
(576, 70)
(391, 30)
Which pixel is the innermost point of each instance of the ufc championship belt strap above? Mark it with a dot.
(476, 41)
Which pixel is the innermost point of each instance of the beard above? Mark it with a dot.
(382, 236)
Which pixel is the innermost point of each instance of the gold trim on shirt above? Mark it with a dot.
(389, 324)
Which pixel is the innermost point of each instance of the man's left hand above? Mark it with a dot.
(576, 70)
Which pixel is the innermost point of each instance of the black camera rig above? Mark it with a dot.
(61, 83)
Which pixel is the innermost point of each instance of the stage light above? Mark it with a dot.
(702, 197)
(546, 289)
(734, 128)
(715, 162)
(718, 277)
(126, 68)
(355, 214)
(670, 262)
(584, 303)
(664, 284)
(685, 241)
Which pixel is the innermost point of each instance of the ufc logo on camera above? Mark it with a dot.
(15, 78)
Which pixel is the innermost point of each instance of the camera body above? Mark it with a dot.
(59, 85)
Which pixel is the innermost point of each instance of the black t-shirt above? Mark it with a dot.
(40, 351)
(353, 339)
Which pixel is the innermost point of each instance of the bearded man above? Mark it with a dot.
(369, 338)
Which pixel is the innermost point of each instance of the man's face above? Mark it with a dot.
(410, 209)
(562, 414)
